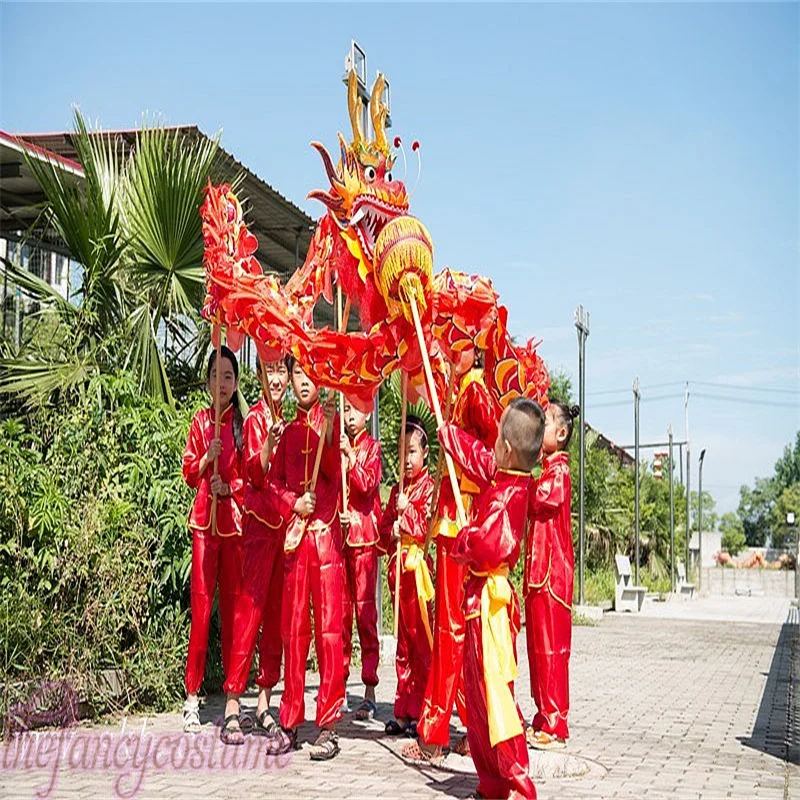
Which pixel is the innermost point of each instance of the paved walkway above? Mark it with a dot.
(662, 708)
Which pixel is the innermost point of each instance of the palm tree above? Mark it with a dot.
(134, 226)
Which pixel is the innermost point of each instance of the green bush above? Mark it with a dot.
(95, 553)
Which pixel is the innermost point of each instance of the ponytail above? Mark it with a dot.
(238, 421)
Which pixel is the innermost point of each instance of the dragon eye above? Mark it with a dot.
(388, 177)
(369, 173)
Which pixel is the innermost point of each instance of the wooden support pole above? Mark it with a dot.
(398, 565)
(437, 410)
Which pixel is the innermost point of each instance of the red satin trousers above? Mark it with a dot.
(548, 630)
(312, 578)
(446, 678)
(360, 594)
(413, 659)
(258, 605)
(502, 769)
(216, 560)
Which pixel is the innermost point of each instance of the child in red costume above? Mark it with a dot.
(406, 519)
(473, 413)
(549, 571)
(259, 601)
(360, 523)
(490, 547)
(217, 549)
(312, 572)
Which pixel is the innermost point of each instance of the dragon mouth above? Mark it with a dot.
(369, 219)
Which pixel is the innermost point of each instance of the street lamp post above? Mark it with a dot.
(671, 518)
(582, 324)
(700, 523)
(636, 478)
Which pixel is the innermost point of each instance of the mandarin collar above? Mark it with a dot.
(555, 458)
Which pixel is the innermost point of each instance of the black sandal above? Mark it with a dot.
(260, 728)
(284, 740)
(394, 728)
(229, 734)
(326, 747)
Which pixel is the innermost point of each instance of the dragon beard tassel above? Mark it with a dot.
(404, 265)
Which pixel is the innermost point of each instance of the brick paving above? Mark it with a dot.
(661, 707)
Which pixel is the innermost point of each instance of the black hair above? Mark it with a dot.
(238, 416)
(415, 425)
(566, 414)
(523, 429)
(290, 360)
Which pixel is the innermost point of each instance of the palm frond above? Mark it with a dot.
(144, 358)
(87, 217)
(36, 289)
(35, 379)
(163, 194)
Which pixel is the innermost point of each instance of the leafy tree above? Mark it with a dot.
(788, 501)
(755, 510)
(787, 467)
(733, 538)
(710, 516)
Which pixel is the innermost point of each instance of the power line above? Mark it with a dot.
(746, 401)
(643, 399)
(745, 388)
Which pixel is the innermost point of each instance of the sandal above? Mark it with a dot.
(191, 717)
(461, 747)
(540, 740)
(411, 729)
(265, 724)
(420, 754)
(284, 740)
(394, 728)
(367, 710)
(326, 747)
(229, 733)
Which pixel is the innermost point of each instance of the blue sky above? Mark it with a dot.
(639, 159)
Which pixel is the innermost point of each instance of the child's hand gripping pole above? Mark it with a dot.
(217, 412)
(399, 552)
(437, 410)
(437, 480)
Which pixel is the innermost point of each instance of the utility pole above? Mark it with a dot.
(700, 523)
(671, 516)
(688, 481)
(636, 477)
(582, 324)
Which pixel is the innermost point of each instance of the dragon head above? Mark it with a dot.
(363, 197)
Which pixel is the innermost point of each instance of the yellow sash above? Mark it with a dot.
(499, 664)
(415, 562)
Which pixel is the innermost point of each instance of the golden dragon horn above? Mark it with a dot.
(354, 106)
(378, 112)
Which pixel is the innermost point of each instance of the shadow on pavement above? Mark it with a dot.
(777, 727)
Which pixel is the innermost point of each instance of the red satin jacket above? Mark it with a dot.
(363, 496)
(414, 520)
(473, 413)
(494, 536)
(258, 499)
(550, 561)
(292, 466)
(229, 508)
